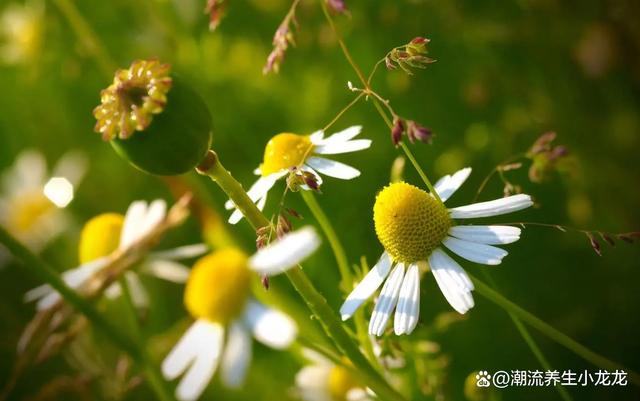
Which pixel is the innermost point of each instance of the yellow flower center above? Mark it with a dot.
(218, 286)
(27, 210)
(340, 382)
(100, 236)
(409, 222)
(284, 151)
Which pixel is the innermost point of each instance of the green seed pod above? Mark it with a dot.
(154, 120)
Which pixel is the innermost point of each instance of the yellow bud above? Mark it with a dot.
(409, 222)
(284, 151)
(218, 286)
(100, 236)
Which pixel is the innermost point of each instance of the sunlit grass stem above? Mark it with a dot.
(551, 332)
(531, 343)
(212, 167)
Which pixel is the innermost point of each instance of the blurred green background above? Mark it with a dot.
(506, 73)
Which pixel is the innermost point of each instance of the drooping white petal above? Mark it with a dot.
(198, 352)
(236, 356)
(386, 301)
(335, 148)
(286, 252)
(408, 309)
(311, 382)
(260, 204)
(259, 188)
(113, 291)
(235, 217)
(452, 280)
(489, 235)
(139, 295)
(492, 208)
(167, 270)
(269, 326)
(181, 252)
(333, 168)
(475, 252)
(133, 220)
(341, 136)
(367, 286)
(449, 184)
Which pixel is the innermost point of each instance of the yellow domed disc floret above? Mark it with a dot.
(218, 286)
(340, 382)
(409, 222)
(284, 151)
(100, 236)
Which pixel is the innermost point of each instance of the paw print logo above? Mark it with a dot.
(483, 379)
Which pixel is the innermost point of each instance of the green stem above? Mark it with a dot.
(533, 346)
(420, 172)
(554, 334)
(152, 373)
(45, 273)
(330, 322)
(332, 237)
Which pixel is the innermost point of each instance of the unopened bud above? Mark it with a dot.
(397, 130)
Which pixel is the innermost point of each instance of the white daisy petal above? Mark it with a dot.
(317, 137)
(260, 204)
(449, 184)
(181, 252)
(452, 280)
(489, 235)
(475, 252)
(235, 217)
(333, 168)
(286, 252)
(133, 220)
(366, 287)
(408, 309)
(156, 212)
(198, 352)
(492, 208)
(342, 136)
(167, 270)
(335, 148)
(269, 326)
(139, 295)
(312, 381)
(259, 188)
(386, 301)
(236, 357)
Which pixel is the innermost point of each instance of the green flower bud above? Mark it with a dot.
(154, 120)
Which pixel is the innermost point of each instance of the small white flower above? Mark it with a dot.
(32, 200)
(141, 218)
(21, 28)
(286, 151)
(217, 295)
(414, 228)
(322, 380)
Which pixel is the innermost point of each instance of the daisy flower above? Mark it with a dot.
(415, 229)
(323, 380)
(110, 232)
(217, 295)
(286, 152)
(21, 28)
(32, 200)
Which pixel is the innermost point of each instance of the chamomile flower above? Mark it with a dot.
(32, 199)
(110, 232)
(21, 28)
(415, 229)
(323, 380)
(218, 297)
(287, 151)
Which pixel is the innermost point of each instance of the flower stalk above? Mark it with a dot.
(330, 322)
